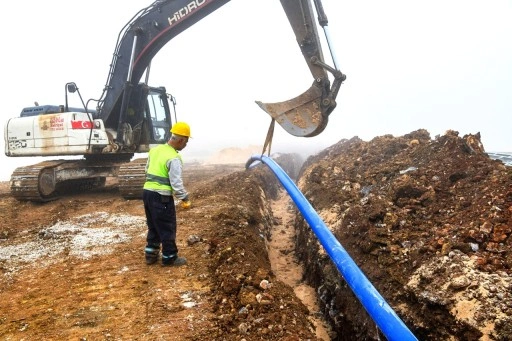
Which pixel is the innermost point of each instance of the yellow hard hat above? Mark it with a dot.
(181, 128)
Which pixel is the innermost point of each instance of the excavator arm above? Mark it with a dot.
(307, 114)
(152, 27)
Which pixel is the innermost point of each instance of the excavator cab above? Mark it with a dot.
(147, 119)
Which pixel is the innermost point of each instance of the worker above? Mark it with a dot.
(163, 183)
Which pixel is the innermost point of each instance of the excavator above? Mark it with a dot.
(131, 117)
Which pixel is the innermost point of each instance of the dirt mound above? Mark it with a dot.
(233, 155)
(428, 221)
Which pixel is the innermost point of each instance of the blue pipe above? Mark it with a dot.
(380, 311)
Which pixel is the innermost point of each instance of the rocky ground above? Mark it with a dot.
(427, 220)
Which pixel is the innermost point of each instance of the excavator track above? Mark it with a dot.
(131, 178)
(48, 180)
(32, 183)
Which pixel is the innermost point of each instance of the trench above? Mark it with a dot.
(285, 264)
(378, 309)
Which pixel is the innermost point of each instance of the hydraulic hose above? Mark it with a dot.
(379, 310)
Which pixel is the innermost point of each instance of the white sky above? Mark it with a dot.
(437, 65)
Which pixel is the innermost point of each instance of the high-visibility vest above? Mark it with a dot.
(157, 174)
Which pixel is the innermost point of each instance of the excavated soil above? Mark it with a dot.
(427, 220)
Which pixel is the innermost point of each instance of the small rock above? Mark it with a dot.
(264, 298)
(243, 328)
(459, 282)
(193, 239)
(264, 284)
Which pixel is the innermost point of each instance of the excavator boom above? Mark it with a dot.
(152, 27)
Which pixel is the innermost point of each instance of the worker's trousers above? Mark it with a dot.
(161, 221)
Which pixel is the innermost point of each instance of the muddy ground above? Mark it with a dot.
(427, 220)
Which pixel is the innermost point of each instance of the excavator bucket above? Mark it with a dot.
(306, 115)
(300, 116)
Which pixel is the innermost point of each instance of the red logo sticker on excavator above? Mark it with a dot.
(81, 125)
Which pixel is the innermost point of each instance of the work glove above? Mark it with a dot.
(185, 204)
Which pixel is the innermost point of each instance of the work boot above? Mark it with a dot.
(151, 254)
(173, 261)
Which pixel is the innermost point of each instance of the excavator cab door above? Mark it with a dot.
(158, 115)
